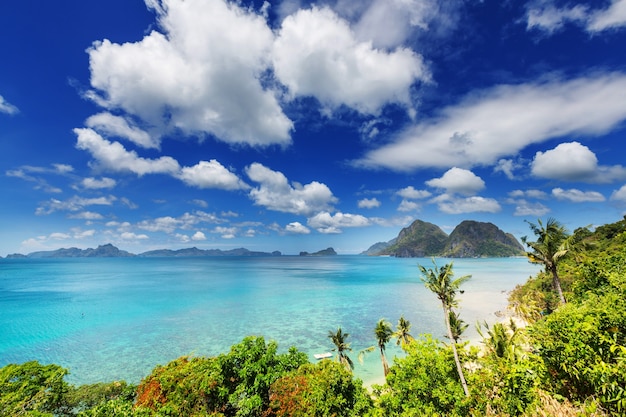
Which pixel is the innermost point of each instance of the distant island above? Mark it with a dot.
(323, 252)
(470, 239)
(110, 251)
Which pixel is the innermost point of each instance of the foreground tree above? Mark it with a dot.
(440, 281)
(339, 339)
(552, 245)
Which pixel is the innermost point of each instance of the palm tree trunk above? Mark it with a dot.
(459, 368)
(556, 284)
(385, 364)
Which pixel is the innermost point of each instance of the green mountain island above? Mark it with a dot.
(470, 239)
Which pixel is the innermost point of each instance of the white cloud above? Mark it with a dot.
(577, 196)
(489, 125)
(612, 17)
(568, 161)
(455, 205)
(275, 192)
(538, 194)
(412, 194)
(73, 204)
(95, 184)
(457, 180)
(198, 236)
(525, 208)
(324, 222)
(407, 205)
(574, 162)
(211, 174)
(297, 228)
(202, 75)
(507, 167)
(548, 18)
(368, 203)
(389, 23)
(316, 54)
(87, 215)
(117, 126)
(226, 232)
(6, 107)
(114, 157)
(544, 15)
(620, 194)
(133, 236)
(167, 224)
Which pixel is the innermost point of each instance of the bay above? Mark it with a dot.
(117, 318)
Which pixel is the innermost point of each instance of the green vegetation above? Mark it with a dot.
(569, 361)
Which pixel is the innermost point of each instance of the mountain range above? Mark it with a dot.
(470, 239)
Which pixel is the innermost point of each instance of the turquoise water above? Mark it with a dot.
(114, 319)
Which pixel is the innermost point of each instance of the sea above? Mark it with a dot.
(108, 319)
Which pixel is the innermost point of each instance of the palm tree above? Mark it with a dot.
(342, 347)
(383, 333)
(402, 332)
(458, 326)
(440, 281)
(553, 244)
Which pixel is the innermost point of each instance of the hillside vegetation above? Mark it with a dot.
(569, 361)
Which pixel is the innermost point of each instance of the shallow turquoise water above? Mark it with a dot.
(112, 319)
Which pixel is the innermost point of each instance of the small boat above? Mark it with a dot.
(323, 355)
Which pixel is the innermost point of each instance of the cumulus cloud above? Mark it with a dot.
(86, 215)
(368, 203)
(574, 162)
(451, 204)
(276, 193)
(297, 228)
(113, 156)
(458, 180)
(96, 184)
(526, 208)
(412, 194)
(198, 236)
(130, 236)
(201, 74)
(538, 194)
(546, 16)
(577, 196)
(317, 54)
(620, 194)
(327, 223)
(490, 125)
(226, 232)
(211, 174)
(407, 205)
(6, 107)
(187, 221)
(507, 167)
(117, 126)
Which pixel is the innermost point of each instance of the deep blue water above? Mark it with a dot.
(113, 319)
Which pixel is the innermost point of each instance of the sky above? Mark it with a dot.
(296, 126)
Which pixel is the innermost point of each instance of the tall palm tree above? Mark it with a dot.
(440, 281)
(402, 332)
(457, 325)
(342, 347)
(383, 333)
(553, 244)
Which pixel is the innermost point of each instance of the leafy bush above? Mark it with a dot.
(323, 389)
(234, 384)
(31, 389)
(425, 382)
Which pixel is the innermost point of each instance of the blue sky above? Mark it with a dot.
(300, 125)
